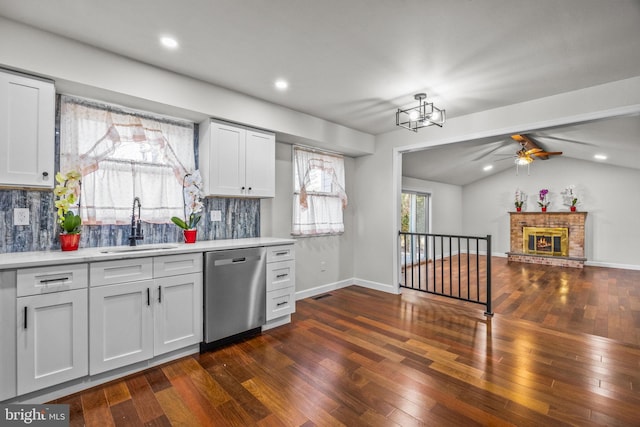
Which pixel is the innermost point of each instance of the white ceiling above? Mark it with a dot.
(354, 62)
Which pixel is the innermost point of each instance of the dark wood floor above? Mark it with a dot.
(598, 301)
(361, 357)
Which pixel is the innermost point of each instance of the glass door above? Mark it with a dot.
(414, 218)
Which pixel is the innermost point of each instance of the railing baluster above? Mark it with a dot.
(478, 269)
(459, 278)
(468, 268)
(419, 263)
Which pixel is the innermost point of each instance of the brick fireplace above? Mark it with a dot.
(551, 238)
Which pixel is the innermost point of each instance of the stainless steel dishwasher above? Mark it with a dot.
(234, 293)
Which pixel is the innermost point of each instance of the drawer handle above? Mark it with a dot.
(148, 297)
(282, 303)
(59, 279)
(159, 294)
(280, 276)
(243, 259)
(25, 317)
(282, 253)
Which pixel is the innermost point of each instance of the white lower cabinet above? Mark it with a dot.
(177, 312)
(52, 340)
(281, 289)
(134, 321)
(121, 322)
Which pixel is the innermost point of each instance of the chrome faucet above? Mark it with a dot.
(136, 224)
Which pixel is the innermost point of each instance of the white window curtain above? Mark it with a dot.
(319, 196)
(123, 154)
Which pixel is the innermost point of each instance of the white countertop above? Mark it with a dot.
(58, 257)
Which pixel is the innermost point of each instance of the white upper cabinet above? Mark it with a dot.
(27, 128)
(236, 161)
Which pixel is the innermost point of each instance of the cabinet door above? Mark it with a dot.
(260, 164)
(8, 328)
(226, 163)
(177, 312)
(27, 130)
(52, 339)
(121, 325)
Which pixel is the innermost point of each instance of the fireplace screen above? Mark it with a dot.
(545, 241)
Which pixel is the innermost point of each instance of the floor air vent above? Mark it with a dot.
(322, 296)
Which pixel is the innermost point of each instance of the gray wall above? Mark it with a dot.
(320, 261)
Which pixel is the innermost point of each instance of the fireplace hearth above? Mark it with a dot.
(551, 238)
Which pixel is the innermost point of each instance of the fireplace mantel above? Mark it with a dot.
(573, 221)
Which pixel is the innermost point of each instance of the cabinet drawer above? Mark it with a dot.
(280, 303)
(281, 275)
(120, 271)
(42, 280)
(174, 265)
(280, 253)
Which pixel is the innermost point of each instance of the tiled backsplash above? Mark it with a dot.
(240, 218)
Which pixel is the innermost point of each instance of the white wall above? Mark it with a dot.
(378, 176)
(320, 261)
(609, 194)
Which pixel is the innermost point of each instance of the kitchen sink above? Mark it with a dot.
(121, 249)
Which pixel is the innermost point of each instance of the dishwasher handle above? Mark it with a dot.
(237, 260)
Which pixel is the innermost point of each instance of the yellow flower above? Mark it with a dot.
(60, 191)
(66, 193)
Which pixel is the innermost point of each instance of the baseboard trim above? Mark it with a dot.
(612, 265)
(384, 287)
(318, 290)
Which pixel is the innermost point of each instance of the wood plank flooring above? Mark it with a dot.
(598, 301)
(360, 357)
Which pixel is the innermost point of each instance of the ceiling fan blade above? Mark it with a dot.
(498, 146)
(544, 155)
(534, 151)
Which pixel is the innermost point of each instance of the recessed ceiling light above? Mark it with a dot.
(281, 84)
(487, 168)
(169, 42)
(600, 157)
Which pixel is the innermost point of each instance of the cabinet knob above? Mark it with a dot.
(45, 175)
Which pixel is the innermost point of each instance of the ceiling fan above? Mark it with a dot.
(530, 150)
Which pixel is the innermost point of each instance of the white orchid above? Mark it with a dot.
(192, 195)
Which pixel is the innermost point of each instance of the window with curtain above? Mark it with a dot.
(123, 154)
(319, 196)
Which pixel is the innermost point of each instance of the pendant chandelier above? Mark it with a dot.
(422, 115)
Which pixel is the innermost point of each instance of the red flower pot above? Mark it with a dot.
(573, 208)
(544, 209)
(518, 209)
(69, 242)
(190, 235)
